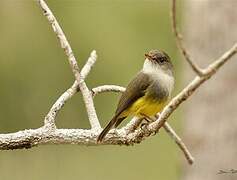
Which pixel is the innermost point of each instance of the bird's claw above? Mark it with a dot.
(155, 132)
(144, 126)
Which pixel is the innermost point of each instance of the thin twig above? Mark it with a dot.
(175, 137)
(89, 64)
(49, 121)
(212, 68)
(62, 39)
(30, 138)
(87, 96)
(107, 88)
(179, 42)
(179, 142)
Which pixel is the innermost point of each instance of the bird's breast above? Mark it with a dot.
(146, 106)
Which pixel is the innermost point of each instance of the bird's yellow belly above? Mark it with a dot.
(145, 106)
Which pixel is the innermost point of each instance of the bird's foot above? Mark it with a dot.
(144, 126)
(155, 132)
(148, 119)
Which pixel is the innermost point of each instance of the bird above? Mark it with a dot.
(147, 93)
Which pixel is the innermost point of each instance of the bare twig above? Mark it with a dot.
(179, 142)
(107, 88)
(176, 138)
(179, 42)
(89, 64)
(66, 46)
(62, 39)
(212, 68)
(87, 96)
(49, 121)
(127, 135)
(29, 138)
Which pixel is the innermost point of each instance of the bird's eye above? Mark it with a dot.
(162, 60)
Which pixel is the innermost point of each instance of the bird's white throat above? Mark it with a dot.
(157, 73)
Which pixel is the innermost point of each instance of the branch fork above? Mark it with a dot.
(128, 135)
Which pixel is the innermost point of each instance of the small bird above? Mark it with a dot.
(147, 93)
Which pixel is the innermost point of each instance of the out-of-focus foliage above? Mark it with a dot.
(34, 72)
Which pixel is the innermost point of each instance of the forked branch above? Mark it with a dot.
(86, 94)
(178, 38)
(129, 134)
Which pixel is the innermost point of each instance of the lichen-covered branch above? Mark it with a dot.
(29, 138)
(86, 93)
(128, 135)
(107, 88)
(89, 64)
(49, 121)
(33, 137)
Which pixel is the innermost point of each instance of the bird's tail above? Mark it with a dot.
(109, 126)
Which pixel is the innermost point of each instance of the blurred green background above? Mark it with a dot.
(34, 72)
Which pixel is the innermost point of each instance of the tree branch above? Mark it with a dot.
(179, 42)
(49, 121)
(128, 135)
(107, 88)
(89, 64)
(86, 94)
(179, 142)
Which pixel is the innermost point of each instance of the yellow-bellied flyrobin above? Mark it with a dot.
(148, 91)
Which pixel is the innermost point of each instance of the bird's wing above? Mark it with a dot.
(135, 89)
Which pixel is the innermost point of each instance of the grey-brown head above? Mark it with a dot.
(156, 60)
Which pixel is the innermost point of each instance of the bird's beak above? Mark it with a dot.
(148, 57)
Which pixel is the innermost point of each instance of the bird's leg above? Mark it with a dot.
(148, 121)
(156, 117)
(136, 124)
(148, 118)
